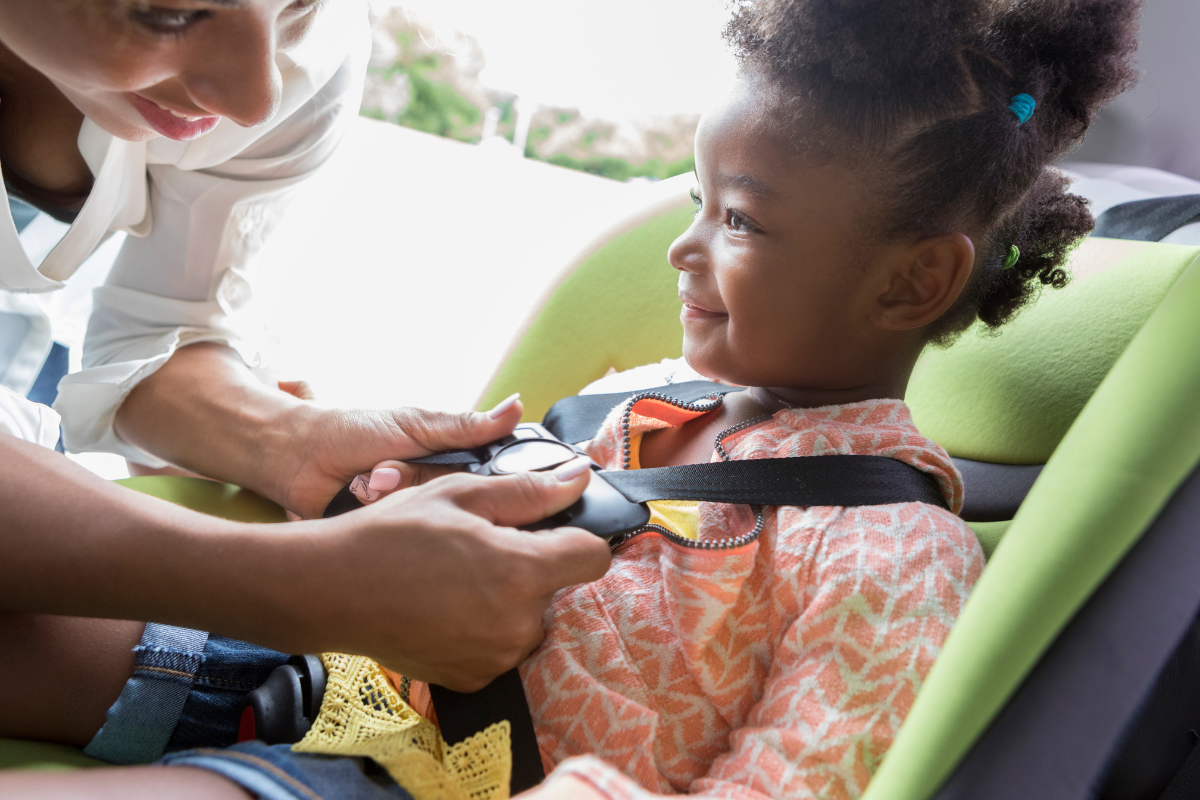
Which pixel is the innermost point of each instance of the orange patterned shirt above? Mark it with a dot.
(780, 667)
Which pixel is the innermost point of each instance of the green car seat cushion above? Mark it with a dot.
(1010, 397)
(18, 754)
(618, 308)
(1131, 447)
(208, 497)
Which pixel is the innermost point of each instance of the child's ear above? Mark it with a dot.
(925, 279)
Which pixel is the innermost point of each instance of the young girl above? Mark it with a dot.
(877, 181)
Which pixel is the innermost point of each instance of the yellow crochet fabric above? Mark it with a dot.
(362, 715)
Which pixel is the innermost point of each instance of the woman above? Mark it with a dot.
(187, 123)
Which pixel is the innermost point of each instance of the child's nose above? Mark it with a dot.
(685, 253)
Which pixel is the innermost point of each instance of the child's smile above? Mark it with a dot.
(771, 276)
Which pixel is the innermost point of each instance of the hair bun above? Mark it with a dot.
(1073, 55)
(880, 43)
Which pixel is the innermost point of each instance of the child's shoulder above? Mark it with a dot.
(879, 427)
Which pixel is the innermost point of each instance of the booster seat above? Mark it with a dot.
(1008, 399)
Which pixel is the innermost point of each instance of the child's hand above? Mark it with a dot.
(567, 787)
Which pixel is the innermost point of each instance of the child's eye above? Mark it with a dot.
(738, 221)
(696, 199)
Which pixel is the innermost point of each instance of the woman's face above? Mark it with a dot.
(146, 68)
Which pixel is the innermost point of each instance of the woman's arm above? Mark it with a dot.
(206, 412)
(428, 581)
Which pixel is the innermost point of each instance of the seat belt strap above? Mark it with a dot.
(832, 480)
(1149, 220)
(461, 716)
(802, 481)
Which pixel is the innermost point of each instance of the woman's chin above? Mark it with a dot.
(124, 129)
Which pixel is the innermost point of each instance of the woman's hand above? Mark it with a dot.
(369, 448)
(205, 412)
(432, 582)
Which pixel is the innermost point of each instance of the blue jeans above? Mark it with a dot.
(185, 700)
(274, 772)
(187, 690)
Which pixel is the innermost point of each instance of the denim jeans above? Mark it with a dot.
(187, 690)
(185, 700)
(274, 772)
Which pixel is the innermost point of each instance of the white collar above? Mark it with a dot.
(116, 183)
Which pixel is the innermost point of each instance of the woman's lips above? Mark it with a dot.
(168, 124)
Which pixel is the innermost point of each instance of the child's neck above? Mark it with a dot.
(693, 442)
(776, 398)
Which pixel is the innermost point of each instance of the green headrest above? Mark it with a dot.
(1136, 440)
(1010, 397)
(617, 307)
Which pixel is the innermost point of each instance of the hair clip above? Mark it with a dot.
(1014, 255)
(1022, 105)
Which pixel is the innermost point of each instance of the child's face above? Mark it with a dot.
(777, 283)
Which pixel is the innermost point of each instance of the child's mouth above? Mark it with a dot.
(694, 311)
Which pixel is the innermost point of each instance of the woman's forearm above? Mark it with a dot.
(75, 544)
(206, 412)
(432, 583)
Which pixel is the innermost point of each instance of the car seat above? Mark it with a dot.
(1007, 399)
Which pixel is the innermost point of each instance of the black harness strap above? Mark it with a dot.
(833, 480)
(1148, 220)
(461, 716)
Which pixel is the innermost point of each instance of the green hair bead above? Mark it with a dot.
(1014, 255)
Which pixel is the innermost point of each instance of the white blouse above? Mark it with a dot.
(197, 213)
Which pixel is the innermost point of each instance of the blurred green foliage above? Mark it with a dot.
(434, 106)
(618, 168)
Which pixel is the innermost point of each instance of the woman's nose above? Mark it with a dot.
(235, 75)
(686, 253)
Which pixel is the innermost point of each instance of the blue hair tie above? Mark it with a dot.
(1022, 105)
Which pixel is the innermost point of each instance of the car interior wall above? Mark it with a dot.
(1156, 124)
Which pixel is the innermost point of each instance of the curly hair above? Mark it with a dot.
(919, 91)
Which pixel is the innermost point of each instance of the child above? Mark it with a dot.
(877, 181)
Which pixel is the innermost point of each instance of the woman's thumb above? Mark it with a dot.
(436, 432)
(526, 497)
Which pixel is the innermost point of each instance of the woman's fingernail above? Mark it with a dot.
(573, 469)
(503, 405)
(360, 487)
(384, 479)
